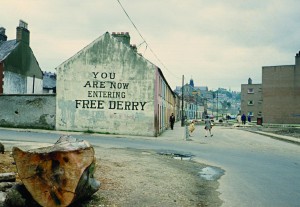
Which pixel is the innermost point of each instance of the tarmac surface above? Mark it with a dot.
(180, 133)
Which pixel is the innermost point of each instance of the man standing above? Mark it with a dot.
(244, 119)
(172, 121)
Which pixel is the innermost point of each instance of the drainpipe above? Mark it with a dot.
(33, 84)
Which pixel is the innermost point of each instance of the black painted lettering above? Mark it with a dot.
(95, 74)
(85, 104)
(143, 104)
(93, 104)
(112, 105)
(120, 105)
(103, 75)
(100, 104)
(112, 75)
(123, 94)
(90, 93)
(88, 84)
(95, 84)
(119, 85)
(113, 85)
(127, 105)
(102, 84)
(125, 85)
(109, 94)
(78, 102)
(135, 105)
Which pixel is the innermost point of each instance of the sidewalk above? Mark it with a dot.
(178, 134)
(279, 137)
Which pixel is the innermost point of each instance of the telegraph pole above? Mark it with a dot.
(217, 104)
(182, 117)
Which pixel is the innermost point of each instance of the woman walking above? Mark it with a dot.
(208, 125)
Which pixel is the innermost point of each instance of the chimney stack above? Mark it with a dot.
(249, 81)
(3, 37)
(297, 61)
(22, 32)
(122, 37)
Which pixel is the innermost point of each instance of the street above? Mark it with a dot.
(259, 171)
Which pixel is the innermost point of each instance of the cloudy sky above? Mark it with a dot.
(217, 43)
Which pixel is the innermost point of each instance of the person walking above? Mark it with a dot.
(243, 119)
(191, 128)
(172, 121)
(208, 125)
(249, 118)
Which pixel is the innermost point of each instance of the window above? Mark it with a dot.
(250, 113)
(250, 90)
(250, 102)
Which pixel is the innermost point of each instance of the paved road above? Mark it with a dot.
(259, 171)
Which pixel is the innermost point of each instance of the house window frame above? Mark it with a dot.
(251, 90)
(250, 103)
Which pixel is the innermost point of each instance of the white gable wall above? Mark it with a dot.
(13, 83)
(106, 88)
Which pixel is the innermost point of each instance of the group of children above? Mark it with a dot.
(208, 124)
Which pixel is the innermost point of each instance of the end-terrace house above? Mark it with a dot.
(107, 87)
(20, 72)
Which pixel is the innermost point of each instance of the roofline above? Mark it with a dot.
(162, 75)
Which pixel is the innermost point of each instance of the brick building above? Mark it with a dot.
(281, 93)
(251, 100)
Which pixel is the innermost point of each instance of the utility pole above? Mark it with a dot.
(182, 117)
(217, 104)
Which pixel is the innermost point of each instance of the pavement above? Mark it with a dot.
(179, 133)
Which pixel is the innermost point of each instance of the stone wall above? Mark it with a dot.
(28, 111)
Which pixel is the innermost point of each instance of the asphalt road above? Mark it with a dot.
(259, 171)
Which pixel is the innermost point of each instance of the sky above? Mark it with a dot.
(219, 44)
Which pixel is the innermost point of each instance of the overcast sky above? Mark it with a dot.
(217, 43)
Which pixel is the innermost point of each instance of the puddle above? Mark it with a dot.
(177, 155)
(211, 173)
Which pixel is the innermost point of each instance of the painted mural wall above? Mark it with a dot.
(107, 88)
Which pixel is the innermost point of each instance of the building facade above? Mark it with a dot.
(281, 93)
(107, 87)
(251, 100)
(20, 72)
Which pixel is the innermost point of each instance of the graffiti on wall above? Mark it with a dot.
(106, 89)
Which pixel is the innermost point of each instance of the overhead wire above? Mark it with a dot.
(144, 41)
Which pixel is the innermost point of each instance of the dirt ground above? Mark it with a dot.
(144, 178)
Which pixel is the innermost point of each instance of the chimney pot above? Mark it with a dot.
(3, 37)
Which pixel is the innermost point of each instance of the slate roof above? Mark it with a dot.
(6, 47)
(49, 80)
